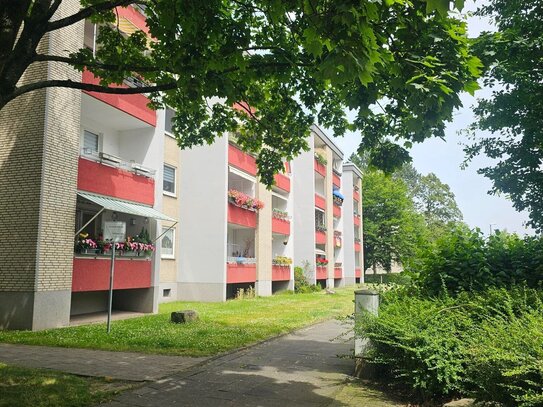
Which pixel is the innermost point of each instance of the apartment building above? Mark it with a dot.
(318, 214)
(234, 232)
(195, 224)
(352, 207)
(84, 162)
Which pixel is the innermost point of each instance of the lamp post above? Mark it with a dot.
(490, 228)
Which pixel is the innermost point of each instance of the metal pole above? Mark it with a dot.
(110, 302)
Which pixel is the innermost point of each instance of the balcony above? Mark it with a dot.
(241, 160)
(357, 247)
(337, 211)
(282, 182)
(338, 272)
(281, 226)
(92, 274)
(356, 195)
(320, 168)
(240, 273)
(321, 272)
(336, 179)
(320, 202)
(134, 105)
(356, 220)
(110, 176)
(358, 272)
(320, 237)
(280, 273)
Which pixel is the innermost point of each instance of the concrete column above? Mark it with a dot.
(39, 145)
(328, 182)
(263, 244)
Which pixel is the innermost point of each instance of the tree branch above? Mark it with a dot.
(99, 65)
(88, 87)
(87, 12)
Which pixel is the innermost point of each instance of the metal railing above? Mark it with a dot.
(114, 161)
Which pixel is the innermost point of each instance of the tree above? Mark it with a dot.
(275, 66)
(432, 198)
(514, 112)
(403, 212)
(392, 228)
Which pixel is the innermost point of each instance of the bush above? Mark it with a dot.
(487, 345)
(301, 284)
(390, 278)
(462, 260)
(415, 340)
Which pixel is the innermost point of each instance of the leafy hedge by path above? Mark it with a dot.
(463, 260)
(487, 345)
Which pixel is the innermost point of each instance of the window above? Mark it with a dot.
(320, 220)
(168, 128)
(167, 243)
(90, 142)
(169, 180)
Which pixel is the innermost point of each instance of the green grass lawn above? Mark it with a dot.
(222, 326)
(46, 388)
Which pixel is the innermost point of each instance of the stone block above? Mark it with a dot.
(182, 317)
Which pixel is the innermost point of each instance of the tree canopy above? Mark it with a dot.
(512, 58)
(403, 212)
(400, 65)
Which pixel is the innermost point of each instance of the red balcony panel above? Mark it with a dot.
(282, 182)
(134, 105)
(240, 273)
(241, 160)
(92, 274)
(115, 182)
(356, 220)
(241, 216)
(320, 237)
(356, 196)
(320, 202)
(358, 272)
(287, 167)
(321, 169)
(281, 226)
(357, 247)
(321, 272)
(134, 16)
(337, 211)
(338, 272)
(280, 273)
(336, 180)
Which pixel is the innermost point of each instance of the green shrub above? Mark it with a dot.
(487, 345)
(416, 341)
(505, 350)
(389, 278)
(462, 260)
(301, 283)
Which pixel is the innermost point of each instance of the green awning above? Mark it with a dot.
(119, 205)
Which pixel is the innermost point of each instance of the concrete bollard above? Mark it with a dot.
(364, 301)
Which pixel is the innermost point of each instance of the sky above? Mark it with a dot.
(444, 159)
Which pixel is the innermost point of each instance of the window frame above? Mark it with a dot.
(165, 231)
(99, 136)
(168, 193)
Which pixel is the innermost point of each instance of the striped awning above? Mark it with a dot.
(119, 205)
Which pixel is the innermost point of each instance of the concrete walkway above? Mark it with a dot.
(86, 362)
(300, 369)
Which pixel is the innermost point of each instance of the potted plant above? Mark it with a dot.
(85, 245)
(244, 201)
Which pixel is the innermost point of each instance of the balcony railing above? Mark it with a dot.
(114, 161)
